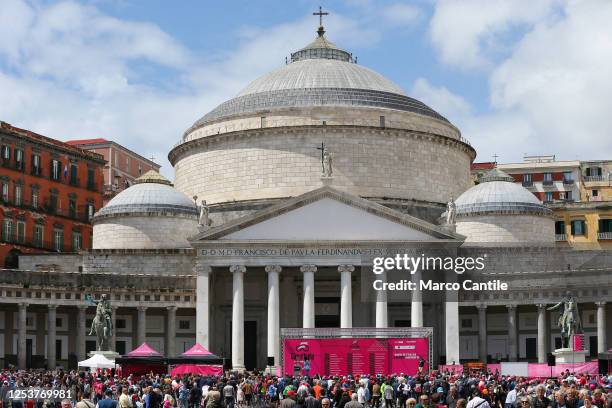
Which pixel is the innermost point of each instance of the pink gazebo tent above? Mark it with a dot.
(142, 360)
(197, 360)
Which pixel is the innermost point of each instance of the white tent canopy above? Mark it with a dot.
(97, 361)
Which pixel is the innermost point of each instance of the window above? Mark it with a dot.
(565, 195)
(578, 227)
(560, 227)
(605, 226)
(36, 165)
(35, 198)
(466, 323)
(90, 179)
(594, 193)
(58, 239)
(567, 176)
(6, 153)
(21, 232)
(127, 164)
(184, 324)
(382, 121)
(139, 169)
(5, 192)
(121, 324)
(72, 208)
(53, 202)
(73, 175)
(55, 169)
(39, 233)
(58, 322)
(7, 230)
(547, 176)
(19, 163)
(90, 211)
(18, 196)
(77, 241)
(527, 178)
(548, 196)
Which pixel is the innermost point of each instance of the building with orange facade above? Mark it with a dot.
(49, 191)
(122, 167)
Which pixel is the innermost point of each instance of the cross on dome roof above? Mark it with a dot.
(321, 47)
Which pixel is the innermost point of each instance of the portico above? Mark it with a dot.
(318, 241)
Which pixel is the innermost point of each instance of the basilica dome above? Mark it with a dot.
(266, 143)
(500, 210)
(151, 214)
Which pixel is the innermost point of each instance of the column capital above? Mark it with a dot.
(237, 268)
(142, 308)
(511, 308)
(541, 306)
(23, 305)
(202, 269)
(273, 268)
(601, 303)
(52, 307)
(308, 268)
(481, 307)
(82, 307)
(172, 308)
(114, 307)
(346, 268)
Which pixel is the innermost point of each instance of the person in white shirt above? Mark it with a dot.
(361, 395)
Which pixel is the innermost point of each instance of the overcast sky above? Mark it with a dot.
(515, 76)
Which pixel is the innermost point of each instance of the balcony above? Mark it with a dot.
(547, 183)
(604, 236)
(593, 178)
(568, 182)
(37, 244)
(527, 183)
(560, 237)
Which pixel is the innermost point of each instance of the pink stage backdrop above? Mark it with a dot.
(543, 370)
(354, 356)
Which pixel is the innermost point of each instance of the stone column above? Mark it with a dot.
(482, 333)
(81, 331)
(451, 327)
(512, 332)
(141, 334)
(602, 341)
(21, 336)
(203, 304)
(273, 313)
(238, 317)
(416, 304)
(542, 333)
(382, 320)
(112, 345)
(51, 336)
(171, 331)
(308, 314)
(346, 294)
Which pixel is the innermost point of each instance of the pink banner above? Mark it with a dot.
(201, 369)
(543, 370)
(453, 369)
(579, 342)
(341, 356)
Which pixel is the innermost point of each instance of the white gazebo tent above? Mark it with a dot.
(97, 361)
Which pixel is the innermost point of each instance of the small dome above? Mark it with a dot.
(150, 193)
(498, 193)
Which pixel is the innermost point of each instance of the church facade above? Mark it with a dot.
(281, 196)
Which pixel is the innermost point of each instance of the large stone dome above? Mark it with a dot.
(262, 145)
(498, 210)
(151, 214)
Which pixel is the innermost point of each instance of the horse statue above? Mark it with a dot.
(569, 320)
(102, 324)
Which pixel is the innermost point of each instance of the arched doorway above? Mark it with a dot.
(12, 259)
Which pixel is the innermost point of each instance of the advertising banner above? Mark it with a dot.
(341, 356)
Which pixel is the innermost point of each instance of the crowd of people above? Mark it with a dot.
(259, 390)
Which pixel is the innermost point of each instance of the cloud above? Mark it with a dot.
(467, 34)
(440, 99)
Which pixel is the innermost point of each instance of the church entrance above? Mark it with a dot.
(327, 312)
(250, 344)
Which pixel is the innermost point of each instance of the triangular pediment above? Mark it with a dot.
(327, 214)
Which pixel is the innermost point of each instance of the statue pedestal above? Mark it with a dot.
(569, 356)
(111, 355)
